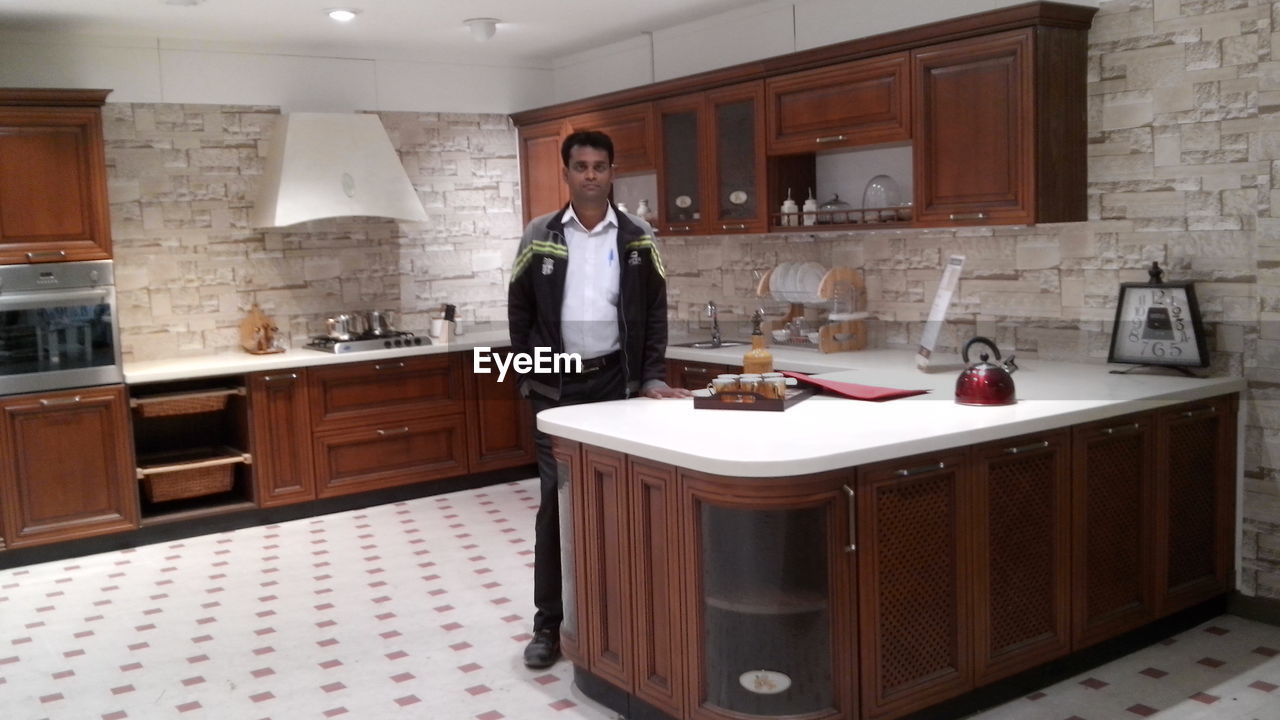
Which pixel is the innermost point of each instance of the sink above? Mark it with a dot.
(708, 345)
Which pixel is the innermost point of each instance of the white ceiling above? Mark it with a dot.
(531, 31)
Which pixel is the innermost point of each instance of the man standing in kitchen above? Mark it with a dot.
(588, 280)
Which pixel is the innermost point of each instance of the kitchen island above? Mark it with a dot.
(847, 559)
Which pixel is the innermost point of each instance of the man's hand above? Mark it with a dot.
(657, 393)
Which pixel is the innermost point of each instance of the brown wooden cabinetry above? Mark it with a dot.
(67, 469)
(693, 375)
(281, 437)
(53, 179)
(659, 647)
(630, 128)
(541, 178)
(499, 423)
(844, 105)
(915, 582)
(607, 587)
(389, 422)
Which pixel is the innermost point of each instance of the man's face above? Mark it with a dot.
(589, 175)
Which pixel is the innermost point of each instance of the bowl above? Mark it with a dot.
(781, 335)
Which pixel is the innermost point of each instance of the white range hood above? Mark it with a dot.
(325, 165)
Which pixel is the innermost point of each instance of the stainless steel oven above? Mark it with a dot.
(57, 326)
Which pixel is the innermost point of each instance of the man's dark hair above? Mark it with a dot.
(586, 138)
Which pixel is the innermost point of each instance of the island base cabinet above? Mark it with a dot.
(568, 457)
(67, 469)
(1196, 500)
(768, 576)
(607, 554)
(1022, 553)
(914, 583)
(659, 630)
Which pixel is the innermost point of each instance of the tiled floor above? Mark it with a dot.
(420, 610)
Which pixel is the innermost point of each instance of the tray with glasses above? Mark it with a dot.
(767, 391)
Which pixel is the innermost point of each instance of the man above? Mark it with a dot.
(588, 280)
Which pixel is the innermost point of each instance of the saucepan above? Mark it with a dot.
(380, 322)
(345, 326)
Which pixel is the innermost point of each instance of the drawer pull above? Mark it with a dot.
(276, 378)
(735, 226)
(969, 216)
(680, 228)
(51, 402)
(853, 519)
(920, 470)
(697, 370)
(388, 366)
(396, 431)
(1027, 448)
(46, 256)
(831, 138)
(1131, 427)
(1198, 412)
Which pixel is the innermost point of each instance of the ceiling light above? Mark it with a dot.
(343, 14)
(183, 3)
(481, 28)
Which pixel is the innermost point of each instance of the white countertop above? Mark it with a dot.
(237, 363)
(827, 433)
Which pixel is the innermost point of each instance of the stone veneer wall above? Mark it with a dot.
(182, 179)
(1184, 141)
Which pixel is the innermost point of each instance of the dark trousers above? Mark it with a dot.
(605, 384)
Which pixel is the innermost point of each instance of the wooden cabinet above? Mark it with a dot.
(281, 437)
(659, 647)
(849, 104)
(499, 423)
(632, 132)
(53, 179)
(693, 375)
(573, 536)
(67, 469)
(606, 583)
(993, 117)
(682, 154)
(1021, 553)
(1113, 527)
(385, 423)
(1195, 502)
(915, 582)
(542, 185)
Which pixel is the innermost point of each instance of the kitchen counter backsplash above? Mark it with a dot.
(182, 179)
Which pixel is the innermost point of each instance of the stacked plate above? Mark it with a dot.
(797, 282)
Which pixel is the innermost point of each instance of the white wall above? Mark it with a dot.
(752, 33)
(147, 70)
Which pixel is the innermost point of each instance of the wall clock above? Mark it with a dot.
(1158, 323)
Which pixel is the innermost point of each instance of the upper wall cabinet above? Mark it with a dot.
(53, 178)
(630, 128)
(541, 183)
(846, 105)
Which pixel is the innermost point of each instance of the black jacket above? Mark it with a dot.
(537, 290)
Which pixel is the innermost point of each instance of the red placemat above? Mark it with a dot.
(854, 390)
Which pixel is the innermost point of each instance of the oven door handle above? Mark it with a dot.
(44, 299)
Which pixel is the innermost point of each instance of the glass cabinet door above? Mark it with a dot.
(737, 124)
(681, 208)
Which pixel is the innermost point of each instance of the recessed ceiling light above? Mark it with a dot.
(343, 14)
(482, 28)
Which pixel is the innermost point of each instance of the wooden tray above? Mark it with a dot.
(736, 400)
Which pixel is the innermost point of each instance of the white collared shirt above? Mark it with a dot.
(589, 311)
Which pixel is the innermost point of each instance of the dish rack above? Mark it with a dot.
(843, 287)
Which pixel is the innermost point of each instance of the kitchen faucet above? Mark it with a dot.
(715, 323)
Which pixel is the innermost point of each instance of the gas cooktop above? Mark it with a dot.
(387, 341)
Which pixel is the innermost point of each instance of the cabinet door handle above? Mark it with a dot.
(276, 378)
(1198, 412)
(969, 216)
(1027, 448)
(735, 226)
(853, 519)
(831, 138)
(46, 256)
(920, 470)
(396, 431)
(52, 402)
(682, 228)
(1131, 427)
(389, 366)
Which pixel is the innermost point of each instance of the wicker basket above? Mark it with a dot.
(161, 406)
(179, 484)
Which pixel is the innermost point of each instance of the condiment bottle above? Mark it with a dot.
(790, 211)
(758, 359)
(811, 209)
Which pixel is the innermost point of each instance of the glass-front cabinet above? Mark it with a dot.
(766, 599)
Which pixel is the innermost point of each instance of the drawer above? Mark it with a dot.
(386, 455)
(371, 393)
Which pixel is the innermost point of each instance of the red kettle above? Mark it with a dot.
(985, 383)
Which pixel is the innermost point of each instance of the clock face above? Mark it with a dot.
(1157, 325)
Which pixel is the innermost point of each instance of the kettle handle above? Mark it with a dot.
(964, 352)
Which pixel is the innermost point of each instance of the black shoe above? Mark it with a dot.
(543, 650)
